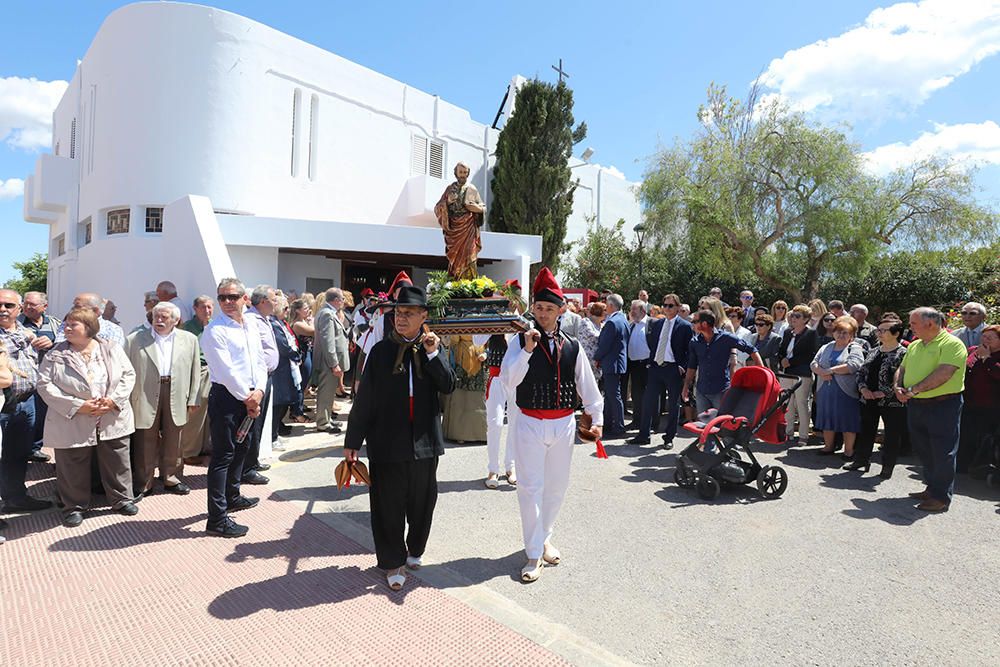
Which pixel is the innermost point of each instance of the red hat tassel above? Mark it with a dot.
(601, 454)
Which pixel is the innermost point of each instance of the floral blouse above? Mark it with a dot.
(886, 364)
(588, 335)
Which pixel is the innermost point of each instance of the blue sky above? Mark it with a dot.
(910, 78)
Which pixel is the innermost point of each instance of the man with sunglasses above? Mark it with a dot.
(669, 341)
(974, 321)
(711, 349)
(17, 420)
(232, 347)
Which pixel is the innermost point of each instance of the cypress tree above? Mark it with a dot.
(532, 187)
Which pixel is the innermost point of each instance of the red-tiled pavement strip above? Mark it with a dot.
(155, 590)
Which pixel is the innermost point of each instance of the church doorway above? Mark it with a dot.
(378, 277)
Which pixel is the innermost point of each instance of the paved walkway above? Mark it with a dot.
(154, 589)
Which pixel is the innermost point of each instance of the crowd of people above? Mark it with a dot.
(226, 376)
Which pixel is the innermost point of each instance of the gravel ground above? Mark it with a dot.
(842, 570)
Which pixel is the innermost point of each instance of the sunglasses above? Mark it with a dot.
(9, 306)
(795, 316)
(745, 298)
(780, 308)
(829, 319)
(670, 305)
(229, 297)
(763, 324)
(881, 330)
(969, 312)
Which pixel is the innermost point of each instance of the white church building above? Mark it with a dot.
(194, 144)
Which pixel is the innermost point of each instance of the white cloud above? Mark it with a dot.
(12, 188)
(892, 62)
(26, 107)
(976, 144)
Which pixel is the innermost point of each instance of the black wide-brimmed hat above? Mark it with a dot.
(408, 296)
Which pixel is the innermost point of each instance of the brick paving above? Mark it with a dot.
(154, 589)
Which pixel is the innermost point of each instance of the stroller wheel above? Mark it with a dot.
(684, 477)
(772, 481)
(708, 488)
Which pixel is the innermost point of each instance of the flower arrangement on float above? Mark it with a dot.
(472, 305)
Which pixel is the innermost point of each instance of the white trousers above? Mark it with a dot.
(798, 408)
(495, 404)
(543, 449)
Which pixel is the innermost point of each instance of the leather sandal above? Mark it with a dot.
(511, 477)
(532, 570)
(551, 555)
(396, 578)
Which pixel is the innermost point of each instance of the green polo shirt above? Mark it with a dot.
(921, 359)
(195, 326)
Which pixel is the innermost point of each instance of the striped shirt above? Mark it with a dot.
(23, 359)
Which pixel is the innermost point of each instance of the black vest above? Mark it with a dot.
(540, 390)
(496, 348)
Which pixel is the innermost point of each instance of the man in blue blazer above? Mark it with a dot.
(669, 340)
(612, 358)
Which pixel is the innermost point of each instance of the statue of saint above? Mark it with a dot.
(460, 214)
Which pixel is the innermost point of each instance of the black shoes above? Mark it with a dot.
(885, 472)
(261, 467)
(27, 504)
(228, 528)
(667, 444)
(637, 441)
(242, 503)
(864, 466)
(254, 477)
(179, 489)
(39, 457)
(128, 509)
(333, 429)
(73, 519)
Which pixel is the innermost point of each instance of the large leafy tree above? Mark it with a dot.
(761, 192)
(532, 187)
(34, 275)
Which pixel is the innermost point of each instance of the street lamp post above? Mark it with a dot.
(640, 235)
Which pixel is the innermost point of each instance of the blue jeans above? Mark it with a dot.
(934, 435)
(661, 379)
(614, 409)
(705, 401)
(18, 442)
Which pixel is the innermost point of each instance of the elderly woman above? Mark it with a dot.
(796, 352)
(836, 365)
(86, 383)
(286, 380)
(981, 410)
(590, 331)
(766, 341)
(876, 379)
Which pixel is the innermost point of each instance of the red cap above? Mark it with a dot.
(401, 279)
(547, 289)
(367, 292)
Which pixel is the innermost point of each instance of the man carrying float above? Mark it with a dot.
(543, 371)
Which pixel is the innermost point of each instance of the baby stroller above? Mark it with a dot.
(753, 406)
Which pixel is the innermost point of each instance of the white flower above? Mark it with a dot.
(447, 285)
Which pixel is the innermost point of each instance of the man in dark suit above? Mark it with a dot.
(612, 359)
(669, 340)
(398, 414)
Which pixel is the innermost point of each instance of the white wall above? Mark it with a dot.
(293, 269)
(603, 194)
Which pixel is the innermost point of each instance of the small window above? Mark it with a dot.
(60, 243)
(154, 220)
(85, 233)
(72, 139)
(296, 103)
(435, 162)
(118, 221)
(313, 135)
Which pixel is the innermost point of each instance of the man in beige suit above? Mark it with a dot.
(330, 357)
(167, 381)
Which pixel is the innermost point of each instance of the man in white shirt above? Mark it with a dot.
(167, 381)
(167, 291)
(638, 359)
(236, 367)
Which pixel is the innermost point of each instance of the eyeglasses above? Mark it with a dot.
(781, 307)
(795, 316)
(829, 319)
(969, 312)
(883, 330)
(9, 306)
(763, 324)
(670, 305)
(229, 297)
(745, 298)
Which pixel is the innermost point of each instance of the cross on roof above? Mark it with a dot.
(559, 69)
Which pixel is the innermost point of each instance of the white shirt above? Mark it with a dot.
(665, 353)
(164, 351)
(515, 367)
(187, 312)
(234, 355)
(638, 348)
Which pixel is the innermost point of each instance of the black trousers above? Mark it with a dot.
(670, 379)
(252, 461)
(225, 414)
(637, 377)
(895, 426)
(402, 493)
(977, 423)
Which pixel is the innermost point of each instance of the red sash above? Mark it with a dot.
(548, 414)
(494, 371)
